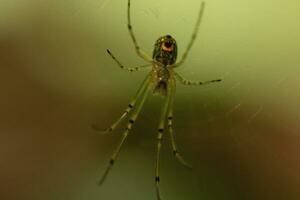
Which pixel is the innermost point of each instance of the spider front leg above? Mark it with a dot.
(131, 121)
(170, 127)
(188, 82)
(131, 69)
(161, 128)
(141, 91)
(138, 50)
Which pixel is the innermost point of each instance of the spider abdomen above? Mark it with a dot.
(165, 50)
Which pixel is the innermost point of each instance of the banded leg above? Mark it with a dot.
(141, 91)
(161, 127)
(188, 82)
(138, 50)
(130, 69)
(193, 38)
(170, 127)
(131, 121)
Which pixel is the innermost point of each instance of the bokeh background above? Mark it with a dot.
(56, 79)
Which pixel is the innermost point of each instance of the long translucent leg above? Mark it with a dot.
(170, 127)
(130, 69)
(194, 35)
(138, 50)
(188, 82)
(161, 128)
(141, 91)
(131, 121)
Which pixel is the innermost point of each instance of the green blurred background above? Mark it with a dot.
(241, 135)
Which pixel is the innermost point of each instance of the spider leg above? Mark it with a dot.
(141, 91)
(194, 35)
(170, 127)
(131, 121)
(130, 69)
(188, 82)
(161, 128)
(138, 50)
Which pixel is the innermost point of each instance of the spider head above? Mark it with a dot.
(165, 50)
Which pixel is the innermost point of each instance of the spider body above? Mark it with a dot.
(165, 54)
(162, 81)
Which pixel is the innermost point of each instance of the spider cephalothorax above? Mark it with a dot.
(165, 50)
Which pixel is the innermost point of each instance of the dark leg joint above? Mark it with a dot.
(170, 117)
(111, 162)
(175, 152)
(131, 121)
(110, 129)
(130, 105)
(161, 130)
(157, 179)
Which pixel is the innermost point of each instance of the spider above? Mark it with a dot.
(161, 81)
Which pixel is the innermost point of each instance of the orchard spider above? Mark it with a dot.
(161, 80)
